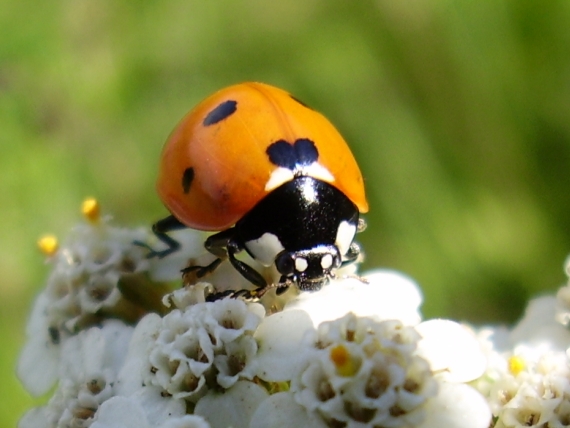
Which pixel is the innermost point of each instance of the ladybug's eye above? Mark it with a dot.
(284, 263)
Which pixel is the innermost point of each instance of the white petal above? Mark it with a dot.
(94, 350)
(280, 355)
(35, 418)
(452, 350)
(38, 364)
(387, 295)
(137, 366)
(120, 412)
(281, 411)
(233, 408)
(158, 408)
(457, 406)
(186, 421)
(168, 268)
(539, 327)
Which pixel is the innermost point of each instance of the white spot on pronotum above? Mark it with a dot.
(345, 236)
(326, 261)
(318, 171)
(282, 175)
(278, 177)
(265, 248)
(301, 264)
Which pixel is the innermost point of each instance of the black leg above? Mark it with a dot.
(223, 246)
(202, 271)
(283, 286)
(352, 254)
(215, 244)
(161, 229)
(244, 269)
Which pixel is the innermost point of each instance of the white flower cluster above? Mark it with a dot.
(126, 351)
(82, 290)
(358, 371)
(205, 346)
(527, 381)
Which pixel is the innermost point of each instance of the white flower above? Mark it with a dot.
(205, 343)
(383, 295)
(89, 364)
(83, 284)
(532, 392)
(354, 354)
(332, 375)
(360, 371)
(527, 382)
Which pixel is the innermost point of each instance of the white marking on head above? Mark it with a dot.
(265, 248)
(345, 236)
(282, 175)
(301, 264)
(326, 261)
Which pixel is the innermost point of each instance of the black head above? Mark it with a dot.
(308, 269)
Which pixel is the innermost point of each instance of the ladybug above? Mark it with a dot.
(272, 177)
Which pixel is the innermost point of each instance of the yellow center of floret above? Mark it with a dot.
(343, 361)
(516, 365)
(48, 244)
(91, 210)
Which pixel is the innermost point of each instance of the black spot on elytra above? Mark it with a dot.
(302, 152)
(221, 112)
(187, 179)
(299, 101)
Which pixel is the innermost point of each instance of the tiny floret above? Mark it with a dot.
(516, 365)
(91, 210)
(48, 244)
(342, 360)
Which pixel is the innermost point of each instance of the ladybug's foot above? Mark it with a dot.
(193, 273)
(152, 253)
(247, 295)
(357, 277)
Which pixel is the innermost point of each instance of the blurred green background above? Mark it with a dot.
(458, 112)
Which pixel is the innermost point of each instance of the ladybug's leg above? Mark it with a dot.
(224, 245)
(351, 255)
(215, 244)
(361, 226)
(201, 271)
(161, 229)
(284, 284)
(244, 269)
